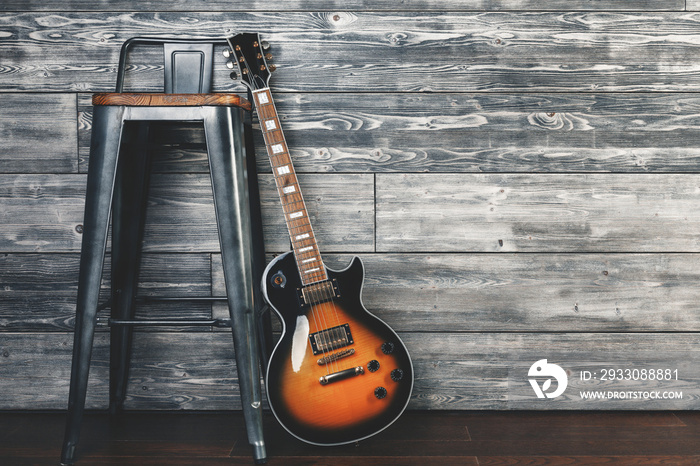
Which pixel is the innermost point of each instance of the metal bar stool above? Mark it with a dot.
(118, 183)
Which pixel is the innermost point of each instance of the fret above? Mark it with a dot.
(273, 133)
(297, 204)
(285, 182)
(266, 112)
(296, 217)
(299, 222)
(273, 137)
(301, 228)
(304, 258)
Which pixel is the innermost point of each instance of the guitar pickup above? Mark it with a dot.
(331, 339)
(318, 293)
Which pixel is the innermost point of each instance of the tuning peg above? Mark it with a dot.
(272, 68)
(230, 65)
(268, 56)
(233, 75)
(226, 53)
(265, 45)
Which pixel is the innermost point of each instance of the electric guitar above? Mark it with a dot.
(338, 374)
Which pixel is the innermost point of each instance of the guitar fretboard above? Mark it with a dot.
(306, 252)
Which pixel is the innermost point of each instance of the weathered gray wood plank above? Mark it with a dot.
(453, 371)
(38, 291)
(39, 213)
(438, 293)
(169, 371)
(38, 133)
(335, 5)
(532, 292)
(536, 213)
(390, 132)
(486, 371)
(341, 208)
(525, 292)
(517, 132)
(373, 51)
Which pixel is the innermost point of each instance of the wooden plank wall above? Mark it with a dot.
(521, 178)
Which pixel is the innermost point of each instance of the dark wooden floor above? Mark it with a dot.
(419, 437)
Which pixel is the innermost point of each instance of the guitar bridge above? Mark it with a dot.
(318, 293)
(335, 356)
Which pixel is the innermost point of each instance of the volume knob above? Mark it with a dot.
(380, 392)
(387, 347)
(396, 375)
(373, 365)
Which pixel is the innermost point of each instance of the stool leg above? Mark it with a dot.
(223, 129)
(128, 218)
(264, 320)
(104, 152)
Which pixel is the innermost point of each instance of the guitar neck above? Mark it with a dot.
(306, 251)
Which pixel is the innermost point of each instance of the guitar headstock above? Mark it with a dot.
(249, 55)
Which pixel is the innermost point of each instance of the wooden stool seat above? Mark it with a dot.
(169, 100)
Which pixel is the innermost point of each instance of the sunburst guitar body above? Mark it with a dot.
(338, 374)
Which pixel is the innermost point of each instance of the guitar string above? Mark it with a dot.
(325, 332)
(313, 297)
(329, 334)
(328, 287)
(332, 332)
(317, 321)
(330, 293)
(322, 335)
(319, 333)
(327, 329)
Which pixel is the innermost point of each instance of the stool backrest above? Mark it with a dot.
(188, 63)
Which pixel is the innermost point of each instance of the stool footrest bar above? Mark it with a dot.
(151, 299)
(167, 322)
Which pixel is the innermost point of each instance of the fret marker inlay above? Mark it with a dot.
(283, 170)
(296, 214)
(304, 236)
(307, 248)
(270, 124)
(308, 260)
(313, 270)
(289, 189)
(277, 148)
(262, 98)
